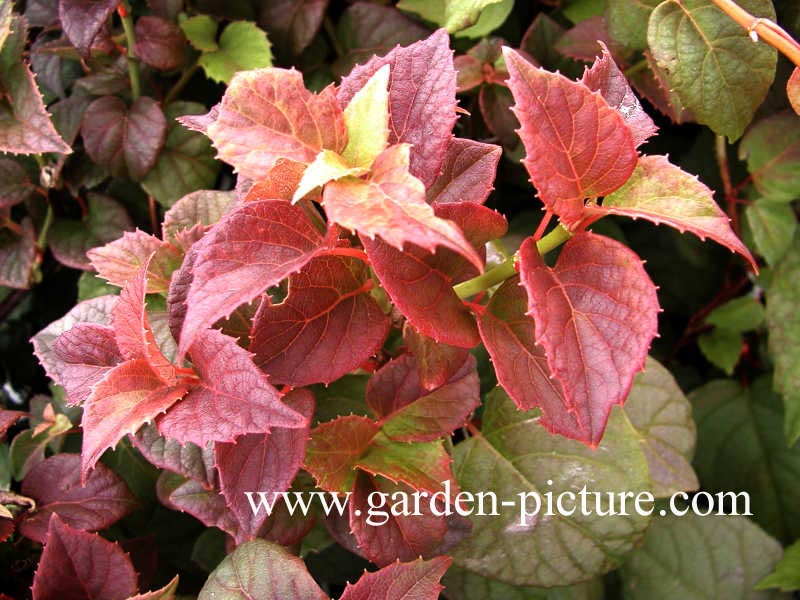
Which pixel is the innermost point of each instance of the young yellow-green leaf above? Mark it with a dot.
(722, 347)
(741, 448)
(201, 31)
(367, 120)
(468, 18)
(737, 315)
(242, 46)
(514, 454)
(772, 226)
(662, 415)
(783, 321)
(772, 151)
(490, 19)
(327, 166)
(700, 557)
(719, 74)
(786, 575)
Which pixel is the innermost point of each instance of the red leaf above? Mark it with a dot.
(291, 24)
(334, 449)
(76, 565)
(422, 99)
(327, 326)
(409, 412)
(233, 397)
(188, 460)
(391, 204)
(15, 185)
(402, 538)
(178, 292)
(83, 356)
(281, 181)
(576, 145)
(519, 363)
(17, 256)
(605, 77)
(793, 89)
(418, 580)
(96, 310)
(262, 462)
(159, 43)
(468, 172)
(25, 127)
(7, 419)
(495, 102)
(55, 485)
(268, 114)
(126, 141)
(420, 284)
(6, 529)
(130, 396)
(596, 313)
(252, 248)
(82, 20)
(132, 326)
(189, 495)
(435, 362)
(122, 259)
(663, 193)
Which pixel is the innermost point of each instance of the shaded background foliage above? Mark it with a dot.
(726, 335)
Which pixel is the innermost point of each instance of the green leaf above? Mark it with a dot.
(466, 585)
(28, 448)
(327, 166)
(773, 227)
(786, 575)
(465, 18)
(263, 570)
(186, 162)
(740, 448)
(492, 17)
(700, 557)
(738, 315)
(242, 46)
(772, 151)
(366, 118)
(627, 21)
(580, 10)
(91, 286)
(201, 31)
(717, 71)
(722, 348)
(783, 322)
(662, 415)
(516, 455)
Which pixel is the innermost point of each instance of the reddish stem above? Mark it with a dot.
(537, 235)
(353, 252)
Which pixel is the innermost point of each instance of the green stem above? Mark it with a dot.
(48, 220)
(181, 83)
(504, 270)
(133, 64)
(636, 67)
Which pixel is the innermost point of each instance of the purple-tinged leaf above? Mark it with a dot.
(793, 89)
(422, 99)
(596, 313)
(69, 240)
(15, 185)
(130, 396)
(664, 194)
(25, 127)
(409, 412)
(576, 145)
(82, 20)
(495, 102)
(581, 42)
(605, 77)
(17, 255)
(159, 43)
(468, 172)
(41, 13)
(268, 114)
(251, 249)
(77, 565)
(203, 207)
(165, 593)
(418, 580)
(126, 141)
(263, 570)
(292, 24)
(435, 362)
(121, 260)
(83, 355)
(190, 496)
(651, 83)
(334, 449)
(188, 460)
(403, 538)
(56, 487)
(266, 462)
(327, 326)
(519, 363)
(233, 397)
